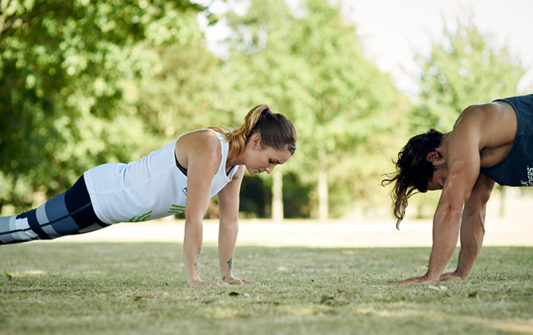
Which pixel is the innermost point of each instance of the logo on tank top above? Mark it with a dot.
(529, 181)
(142, 217)
(176, 209)
(184, 190)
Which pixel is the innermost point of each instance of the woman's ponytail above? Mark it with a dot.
(275, 129)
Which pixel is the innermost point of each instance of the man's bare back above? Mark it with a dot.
(497, 121)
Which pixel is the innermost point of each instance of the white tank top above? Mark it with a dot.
(149, 188)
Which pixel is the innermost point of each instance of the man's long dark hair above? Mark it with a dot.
(413, 171)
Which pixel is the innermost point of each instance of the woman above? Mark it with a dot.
(180, 177)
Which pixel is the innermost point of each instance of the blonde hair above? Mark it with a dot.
(275, 129)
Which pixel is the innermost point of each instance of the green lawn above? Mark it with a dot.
(139, 288)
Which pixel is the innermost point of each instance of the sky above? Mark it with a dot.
(393, 31)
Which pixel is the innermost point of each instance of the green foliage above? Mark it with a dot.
(186, 91)
(254, 197)
(63, 70)
(296, 196)
(89, 82)
(311, 64)
(462, 70)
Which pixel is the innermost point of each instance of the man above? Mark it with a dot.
(489, 143)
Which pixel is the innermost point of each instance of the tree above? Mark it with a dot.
(352, 97)
(186, 90)
(312, 66)
(63, 66)
(266, 71)
(462, 70)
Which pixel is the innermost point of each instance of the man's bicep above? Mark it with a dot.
(460, 184)
(463, 160)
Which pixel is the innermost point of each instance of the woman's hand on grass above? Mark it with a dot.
(237, 281)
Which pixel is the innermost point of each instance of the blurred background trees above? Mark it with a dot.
(65, 72)
(461, 70)
(84, 83)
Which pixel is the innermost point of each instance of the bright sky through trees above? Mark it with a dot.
(393, 31)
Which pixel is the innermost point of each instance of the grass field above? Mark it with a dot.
(139, 288)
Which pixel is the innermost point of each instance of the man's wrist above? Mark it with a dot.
(461, 273)
(432, 276)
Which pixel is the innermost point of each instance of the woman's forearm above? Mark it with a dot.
(227, 238)
(192, 246)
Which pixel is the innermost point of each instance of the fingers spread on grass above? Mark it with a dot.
(199, 283)
(413, 280)
(451, 275)
(238, 281)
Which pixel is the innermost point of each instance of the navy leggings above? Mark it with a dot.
(69, 213)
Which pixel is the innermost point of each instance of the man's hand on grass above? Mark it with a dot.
(452, 275)
(199, 282)
(415, 280)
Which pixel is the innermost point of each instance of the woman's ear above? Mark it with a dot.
(256, 141)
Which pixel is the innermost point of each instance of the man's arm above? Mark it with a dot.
(463, 170)
(445, 233)
(472, 228)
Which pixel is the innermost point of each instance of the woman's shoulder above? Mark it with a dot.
(206, 135)
(201, 141)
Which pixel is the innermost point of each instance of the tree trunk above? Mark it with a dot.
(277, 195)
(322, 192)
(501, 211)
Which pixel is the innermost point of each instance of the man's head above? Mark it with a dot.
(414, 169)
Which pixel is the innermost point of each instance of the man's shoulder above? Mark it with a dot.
(482, 115)
(492, 124)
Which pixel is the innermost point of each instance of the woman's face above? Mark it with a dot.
(264, 159)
